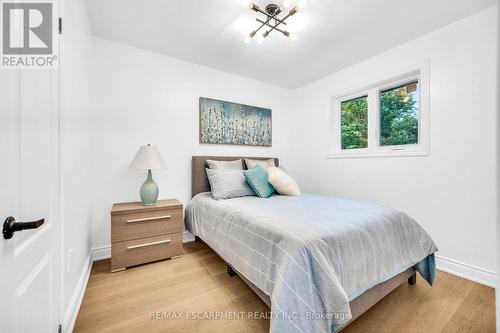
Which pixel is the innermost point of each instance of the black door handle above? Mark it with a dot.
(10, 226)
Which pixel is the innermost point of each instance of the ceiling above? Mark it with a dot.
(331, 34)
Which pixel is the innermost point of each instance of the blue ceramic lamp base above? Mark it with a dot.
(149, 191)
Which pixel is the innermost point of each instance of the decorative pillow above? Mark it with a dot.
(257, 179)
(215, 165)
(264, 164)
(228, 183)
(283, 183)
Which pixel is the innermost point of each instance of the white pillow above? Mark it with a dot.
(217, 165)
(264, 164)
(282, 182)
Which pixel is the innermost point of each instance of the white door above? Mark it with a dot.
(29, 167)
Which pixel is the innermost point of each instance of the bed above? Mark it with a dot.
(318, 262)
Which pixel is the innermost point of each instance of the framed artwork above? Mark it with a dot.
(231, 123)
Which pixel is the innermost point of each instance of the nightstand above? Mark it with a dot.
(142, 234)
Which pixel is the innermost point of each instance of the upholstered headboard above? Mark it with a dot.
(199, 180)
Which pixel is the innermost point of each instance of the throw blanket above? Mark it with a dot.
(311, 254)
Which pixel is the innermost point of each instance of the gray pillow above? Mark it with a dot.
(236, 164)
(264, 164)
(228, 183)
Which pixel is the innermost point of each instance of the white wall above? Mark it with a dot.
(75, 108)
(451, 193)
(141, 97)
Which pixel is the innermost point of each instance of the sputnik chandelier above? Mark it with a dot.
(272, 22)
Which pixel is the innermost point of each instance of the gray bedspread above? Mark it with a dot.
(311, 254)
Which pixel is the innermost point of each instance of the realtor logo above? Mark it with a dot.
(27, 34)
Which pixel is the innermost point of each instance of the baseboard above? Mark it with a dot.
(100, 253)
(466, 271)
(104, 252)
(188, 237)
(76, 299)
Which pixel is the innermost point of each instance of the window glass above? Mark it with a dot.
(399, 115)
(354, 123)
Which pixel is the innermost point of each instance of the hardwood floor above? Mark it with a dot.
(197, 283)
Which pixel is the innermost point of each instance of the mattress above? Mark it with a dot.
(311, 254)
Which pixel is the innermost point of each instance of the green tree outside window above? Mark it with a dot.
(354, 123)
(399, 115)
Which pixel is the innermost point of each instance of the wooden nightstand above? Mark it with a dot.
(141, 234)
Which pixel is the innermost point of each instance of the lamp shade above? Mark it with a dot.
(147, 158)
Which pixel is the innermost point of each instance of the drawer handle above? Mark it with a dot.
(148, 244)
(147, 219)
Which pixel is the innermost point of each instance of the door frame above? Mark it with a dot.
(57, 179)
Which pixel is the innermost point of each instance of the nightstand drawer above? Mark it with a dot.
(139, 225)
(139, 251)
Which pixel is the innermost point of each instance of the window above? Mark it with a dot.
(354, 125)
(399, 115)
(386, 118)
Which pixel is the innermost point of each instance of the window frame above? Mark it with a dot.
(372, 90)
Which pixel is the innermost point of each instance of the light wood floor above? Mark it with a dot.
(197, 282)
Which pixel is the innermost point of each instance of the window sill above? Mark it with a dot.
(378, 153)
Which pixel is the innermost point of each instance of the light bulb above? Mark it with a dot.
(302, 4)
(293, 36)
(253, 6)
(248, 39)
(260, 38)
(286, 4)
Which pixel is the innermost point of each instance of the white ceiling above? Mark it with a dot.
(331, 34)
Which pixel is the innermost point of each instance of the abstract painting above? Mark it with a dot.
(234, 124)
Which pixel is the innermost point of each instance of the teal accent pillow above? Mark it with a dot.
(257, 179)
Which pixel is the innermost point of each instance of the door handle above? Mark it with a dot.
(10, 226)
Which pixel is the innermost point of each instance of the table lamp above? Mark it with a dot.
(148, 158)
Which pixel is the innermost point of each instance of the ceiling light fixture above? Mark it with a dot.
(272, 22)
